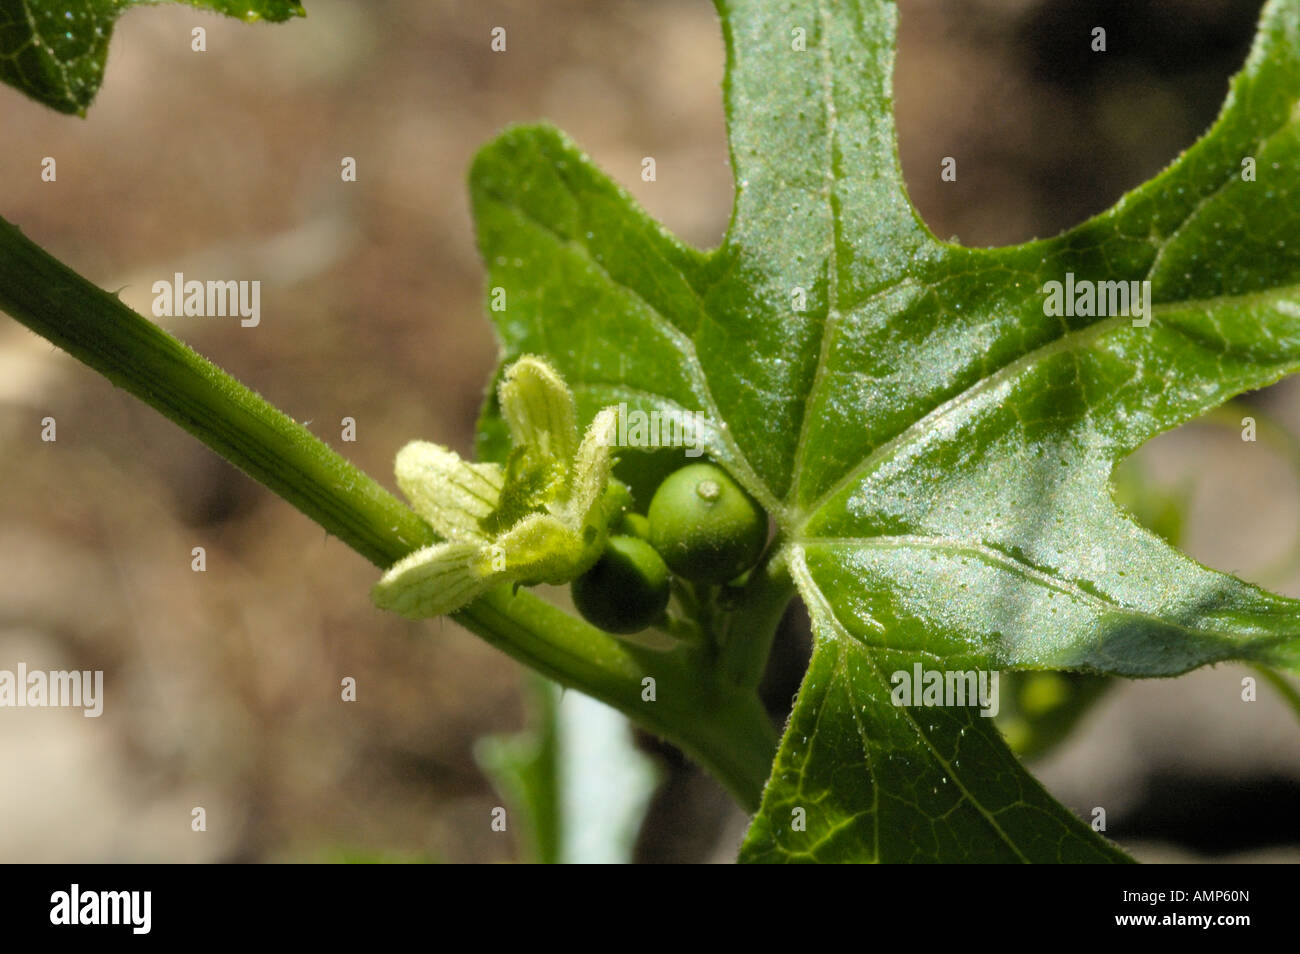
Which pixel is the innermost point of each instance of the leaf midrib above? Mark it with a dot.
(1032, 574)
(1078, 337)
(831, 182)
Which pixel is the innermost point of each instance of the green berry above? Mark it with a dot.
(705, 526)
(627, 589)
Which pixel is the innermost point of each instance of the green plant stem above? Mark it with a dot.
(97, 329)
(751, 629)
(729, 733)
(1290, 695)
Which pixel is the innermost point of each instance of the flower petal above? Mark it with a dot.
(538, 407)
(451, 493)
(592, 466)
(434, 580)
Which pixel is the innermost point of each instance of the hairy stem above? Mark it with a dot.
(728, 733)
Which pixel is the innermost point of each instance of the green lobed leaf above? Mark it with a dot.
(55, 51)
(935, 448)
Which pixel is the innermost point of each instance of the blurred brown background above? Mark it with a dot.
(222, 687)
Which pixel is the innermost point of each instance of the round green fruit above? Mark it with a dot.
(705, 526)
(626, 590)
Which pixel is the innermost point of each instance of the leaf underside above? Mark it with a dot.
(935, 448)
(55, 50)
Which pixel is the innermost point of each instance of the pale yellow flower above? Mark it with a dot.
(538, 519)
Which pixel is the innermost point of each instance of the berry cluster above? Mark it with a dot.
(701, 526)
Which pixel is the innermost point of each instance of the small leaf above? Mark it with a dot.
(54, 50)
(575, 775)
